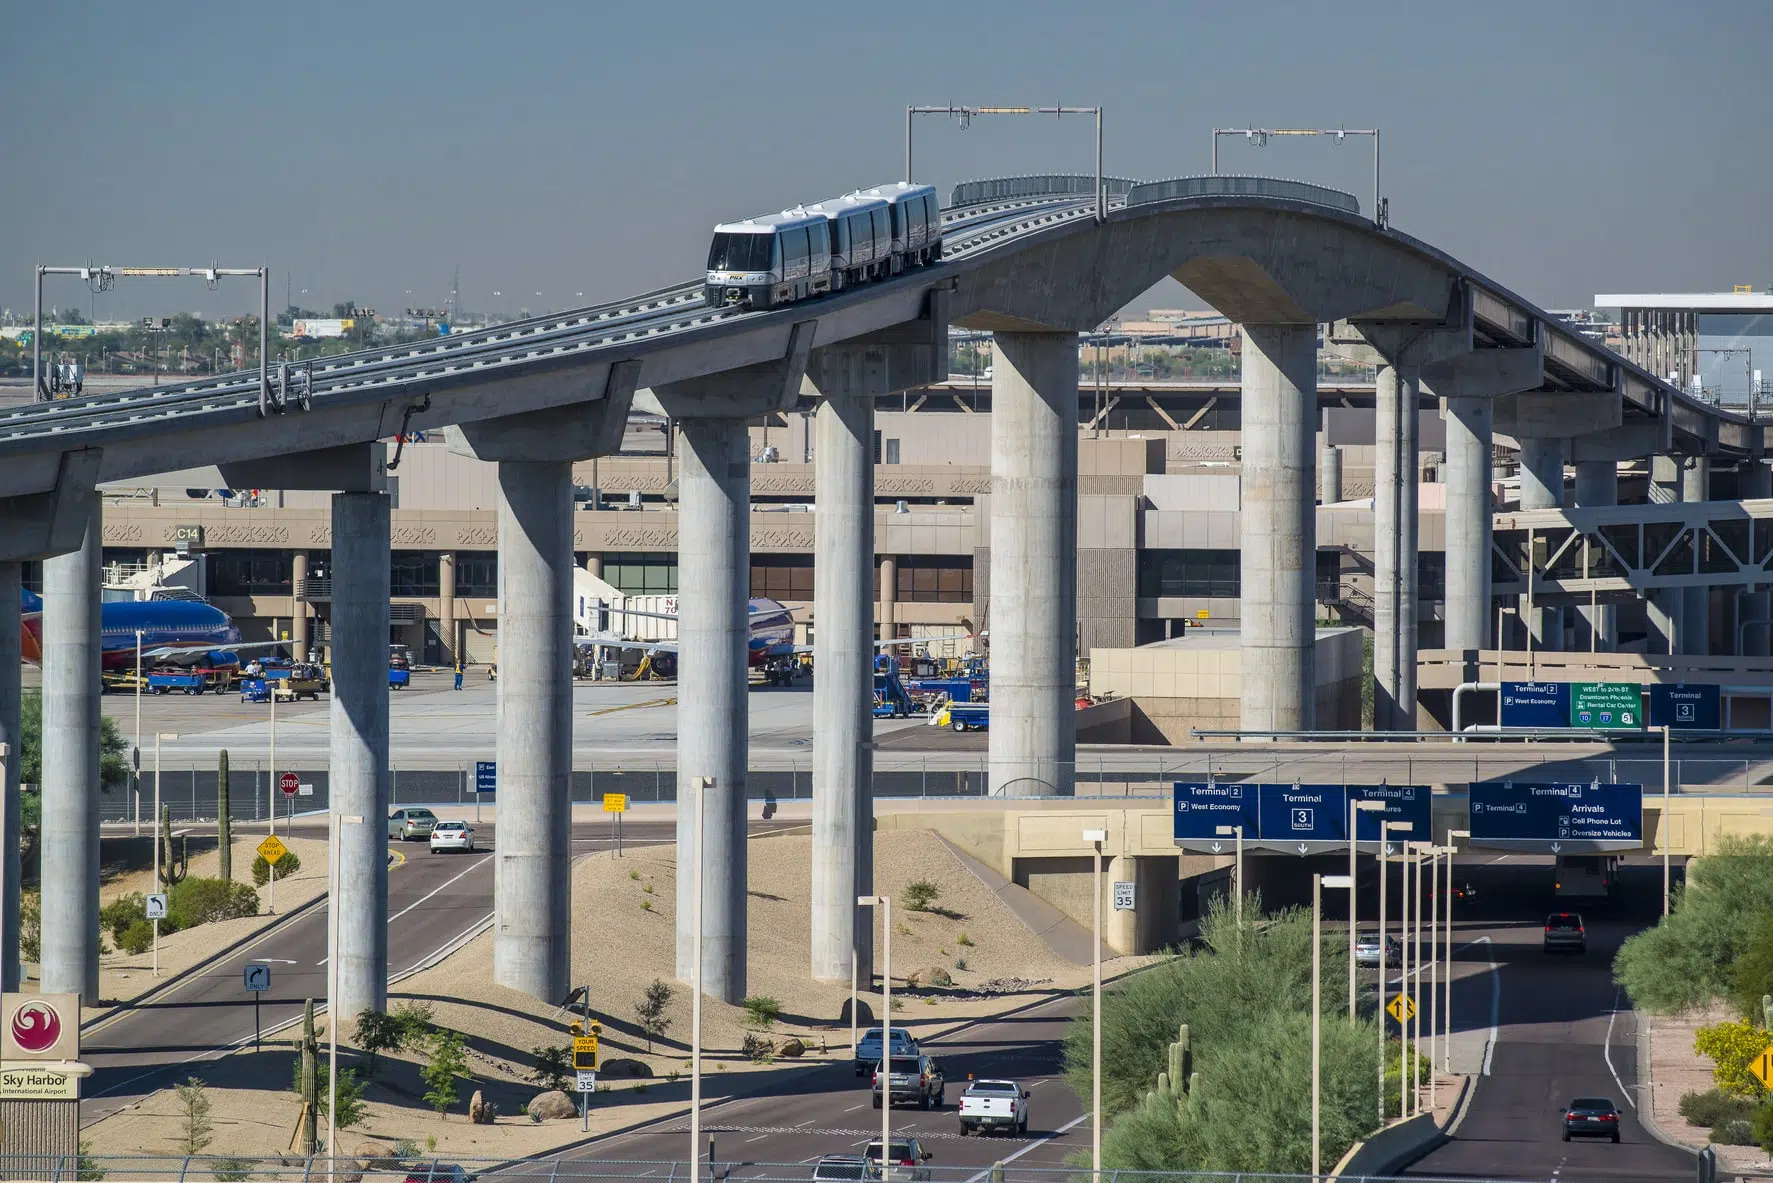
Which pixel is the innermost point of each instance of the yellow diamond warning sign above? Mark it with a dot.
(272, 849)
(1402, 1008)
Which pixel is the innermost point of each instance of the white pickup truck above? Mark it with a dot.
(994, 1105)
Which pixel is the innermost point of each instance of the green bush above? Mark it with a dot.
(30, 926)
(554, 1067)
(288, 865)
(118, 916)
(1690, 958)
(918, 896)
(761, 1010)
(138, 938)
(1734, 1133)
(1751, 974)
(195, 901)
(1761, 1129)
(1713, 1108)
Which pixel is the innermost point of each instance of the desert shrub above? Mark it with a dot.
(117, 916)
(138, 938)
(197, 901)
(288, 865)
(1690, 957)
(918, 896)
(761, 1010)
(756, 1048)
(554, 1067)
(1712, 1108)
(1732, 1047)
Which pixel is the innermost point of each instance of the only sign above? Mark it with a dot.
(289, 784)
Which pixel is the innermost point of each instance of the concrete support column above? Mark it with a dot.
(70, 829)
(298, 605)
(1033, 735)
(359, 768)
(1468, 522)
(1329, 476)
(1151, 923)
(1397, 394)
(594, 565)
(11, 696)
(1754, 482)
(1665, 608)
(1597, 483)
(532, 870)
(1278, 529)
(446, 604)
(843, 690)
(1542, 487)
(889, 597)
(1696, 601)
(714, 546)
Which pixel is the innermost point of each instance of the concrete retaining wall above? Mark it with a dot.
(1391, 1149)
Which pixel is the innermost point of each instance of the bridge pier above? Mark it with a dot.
(359, 756)
(1278, 527)
(1032, 740)
(1395, 575)
(1696, 601)
(1597, 484)
(1665, 608)
(11, 697)
(1542, 487)
(1754, 482)
(70, 828)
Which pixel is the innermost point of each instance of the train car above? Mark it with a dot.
(764, 262)
(917, 222)
(861, 238)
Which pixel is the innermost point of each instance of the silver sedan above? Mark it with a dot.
(452, 836)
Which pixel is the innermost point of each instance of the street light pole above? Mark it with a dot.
(1259, 137)
(1237, 874)
(1318, 883)
(158, 736)
(885, 1072)
(140, 677)
(1095, 838)
(1355, 809)
(1662, 834)
(965, 115)
(702, 785)
(1447, 984)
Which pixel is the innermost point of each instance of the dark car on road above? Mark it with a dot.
(917, 1079)
(1591, 1117)
(1564, 933)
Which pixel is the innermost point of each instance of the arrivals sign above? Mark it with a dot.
(1685, 708)
(1563, 818)
(1294, 819)
(1607, 706)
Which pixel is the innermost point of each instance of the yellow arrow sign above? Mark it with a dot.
(1762, 1067)
(1402, 1008)
(272, 849)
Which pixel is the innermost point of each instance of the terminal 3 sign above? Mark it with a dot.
(1561, 818)
(1292, 818)
(1610, 706)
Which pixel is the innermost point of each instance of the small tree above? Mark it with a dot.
(1732, 1047)
(650, 1010)
(554, 1067)
(761, 1010)
(224, 829)
(447, 1061)
(918, 896)
(195, 1129)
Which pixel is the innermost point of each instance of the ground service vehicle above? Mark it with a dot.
(1591, 1117)
(962, 716)
(868, 1051)
(814, 250)
(904, 1161)
(1564, 933)
(917, 1079)
(994, 1105)
(452, 836)
(409, 823)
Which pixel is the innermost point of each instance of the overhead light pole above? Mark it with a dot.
(1259, 136)
(141, 677)
(885, 1071)
(965, 116)
(701, 784)
(1447, 978)
(336, 820)
(1385, 827)
(1355, 809)
(1095, 838)
(158, 839)
(1318, 883)
(1237, 873)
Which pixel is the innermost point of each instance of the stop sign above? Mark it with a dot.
(290, 783)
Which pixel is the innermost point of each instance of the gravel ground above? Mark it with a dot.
(620, 945)
(1676, 1069)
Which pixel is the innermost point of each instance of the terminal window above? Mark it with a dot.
(936, 579)
(477, 573)
(1198, 574)
(413, 573)
(782, 577)
(642, 574)
(250, 573)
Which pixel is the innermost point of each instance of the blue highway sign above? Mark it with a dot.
(486, 776)
(1685, 707)
(1201, 807)
(1303, 819)
(1559, 817)
(1403, 803)
(1535, 704)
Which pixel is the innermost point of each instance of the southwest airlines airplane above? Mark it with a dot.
(174, 632)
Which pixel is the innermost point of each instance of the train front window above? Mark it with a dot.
(740, 252)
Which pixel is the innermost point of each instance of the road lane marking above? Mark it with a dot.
(1495, 996)
(1009, 1158)
(1607, 1049)
(438, 888)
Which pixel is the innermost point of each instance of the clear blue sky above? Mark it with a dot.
(365, 149)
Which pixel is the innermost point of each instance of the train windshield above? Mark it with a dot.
(741, 252)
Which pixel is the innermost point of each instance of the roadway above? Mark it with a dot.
(433, 900)
(1543, 1029)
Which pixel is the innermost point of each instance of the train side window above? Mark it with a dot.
(840, 236)
(819, 236)
(932, 210)
(883, 228)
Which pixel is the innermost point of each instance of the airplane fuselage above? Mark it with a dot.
(184, 626)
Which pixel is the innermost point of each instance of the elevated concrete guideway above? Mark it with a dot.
(1028, 260)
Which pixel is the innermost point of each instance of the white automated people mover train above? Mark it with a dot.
(813, 250)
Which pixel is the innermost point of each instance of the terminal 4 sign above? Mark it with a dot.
(1563, 818)
(1293, 819)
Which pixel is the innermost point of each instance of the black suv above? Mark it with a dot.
(1595, 1117)
(1564, 933)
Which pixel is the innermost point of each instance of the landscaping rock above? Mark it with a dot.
(933, 975)
(791, 1048)
(553, 1105)
(864, 1013)
(625, 1067)
(480, 1111)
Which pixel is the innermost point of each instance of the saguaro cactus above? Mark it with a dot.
(172, 871)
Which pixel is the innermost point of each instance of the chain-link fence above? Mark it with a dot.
(319, 1169)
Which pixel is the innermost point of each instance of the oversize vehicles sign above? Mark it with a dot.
(1201, 807)
(1562, 818)
(1535, 704)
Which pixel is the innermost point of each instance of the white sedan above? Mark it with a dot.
(452, 836)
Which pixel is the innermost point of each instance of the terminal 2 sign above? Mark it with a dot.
(1610, 706)
(1292, 818)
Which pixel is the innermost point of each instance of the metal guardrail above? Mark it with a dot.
(392, 1169)
(1037, 185)
(1226, 186)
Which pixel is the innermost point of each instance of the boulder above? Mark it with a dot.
(480, 1110)
(626, 1067)
(375, 1150)
(552, 1105)
(791, 1048)
(933, 975)
(864, 1013)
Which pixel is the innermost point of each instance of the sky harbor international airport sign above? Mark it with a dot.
(1295, 819)
(1557, 818)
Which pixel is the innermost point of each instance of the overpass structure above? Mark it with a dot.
(1031, 260)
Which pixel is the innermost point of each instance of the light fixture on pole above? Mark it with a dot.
(335, 820)
(884, 1074)
(1318, 883)
(1384, 857)
(141, 677)
(1447, 977)
(1095, 838)
(965, 115)
(701, 784)
(1355, 809)
(1237, 874)
(1662, 833)
(158, 887)
(1258, 136)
